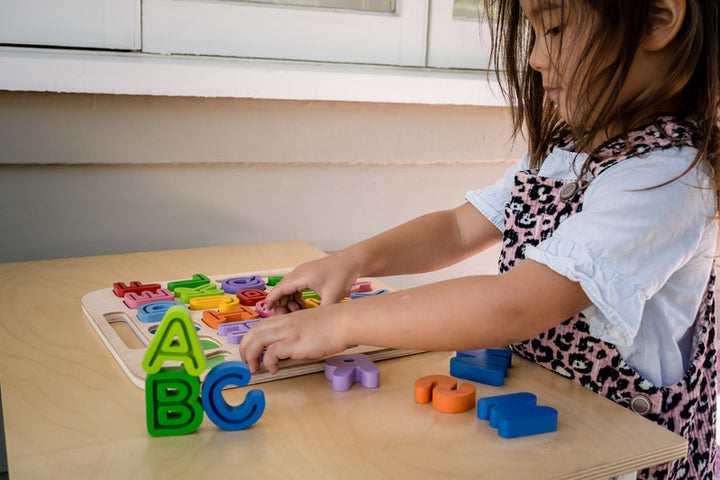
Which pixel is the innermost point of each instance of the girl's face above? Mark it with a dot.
(559, 41)
(563, 53)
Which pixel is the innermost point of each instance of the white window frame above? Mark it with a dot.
(456, 42)
(401, 77)
(250, 30)
(103, 24)
(176, 75)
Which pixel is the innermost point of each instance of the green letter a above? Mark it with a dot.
(175, 339)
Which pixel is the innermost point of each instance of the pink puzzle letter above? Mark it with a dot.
(134, 300)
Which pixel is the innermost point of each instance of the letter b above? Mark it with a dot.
(172, 402)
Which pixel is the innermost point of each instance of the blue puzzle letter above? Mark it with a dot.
(517, 415)
(155, 311)
(226, 416)
(485, 366)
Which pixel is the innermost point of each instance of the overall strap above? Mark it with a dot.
(664, 133)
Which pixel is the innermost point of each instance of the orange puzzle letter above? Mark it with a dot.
(213, 318)
(446, 396)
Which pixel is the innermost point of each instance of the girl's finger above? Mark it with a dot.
(298, 297)
(244, 354)
(272, 356)
(253, 344)
(286, 288)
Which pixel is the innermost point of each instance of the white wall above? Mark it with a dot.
(97, 174)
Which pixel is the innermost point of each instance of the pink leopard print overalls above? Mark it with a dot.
(536, 208)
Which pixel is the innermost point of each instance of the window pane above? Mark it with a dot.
(384, 6)
(466, 9)
(459, 36)
(106, 24)
(276, 30)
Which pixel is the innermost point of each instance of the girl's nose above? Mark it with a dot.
(539, 56)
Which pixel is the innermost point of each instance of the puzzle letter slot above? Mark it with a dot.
(171, 393)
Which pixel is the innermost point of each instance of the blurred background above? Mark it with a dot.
(135, 125)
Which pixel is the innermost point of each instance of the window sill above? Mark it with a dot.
(81, 71)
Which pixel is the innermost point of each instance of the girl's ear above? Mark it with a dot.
(666, 18)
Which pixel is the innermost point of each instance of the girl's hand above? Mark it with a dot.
(330, 277)
(306, 334)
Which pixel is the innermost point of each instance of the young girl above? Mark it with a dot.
(607, 225)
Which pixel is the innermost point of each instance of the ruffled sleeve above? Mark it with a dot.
(617, 302)
(629, 239)
(491, 201)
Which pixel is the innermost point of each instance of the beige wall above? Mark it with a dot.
(95, 174)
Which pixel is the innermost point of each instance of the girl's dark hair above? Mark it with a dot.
(617, 29)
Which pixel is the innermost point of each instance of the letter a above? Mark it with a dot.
(175, 339)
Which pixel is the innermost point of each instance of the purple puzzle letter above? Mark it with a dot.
(344, 370)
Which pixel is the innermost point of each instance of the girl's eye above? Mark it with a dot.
(553, 32)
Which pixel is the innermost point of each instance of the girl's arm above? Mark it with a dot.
(426, 243)
(461, 314)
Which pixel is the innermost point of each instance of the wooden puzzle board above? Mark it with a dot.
(127, 337)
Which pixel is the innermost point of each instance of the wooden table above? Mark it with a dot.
(70, 411)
